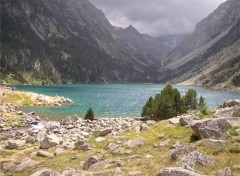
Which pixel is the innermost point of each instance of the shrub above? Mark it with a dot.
(236, 81)
(89, 115)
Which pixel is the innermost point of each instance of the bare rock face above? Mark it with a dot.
(195, 158)
(211, 128)
(45, 172)
(50, 141)
(177, 171)
(231, 103)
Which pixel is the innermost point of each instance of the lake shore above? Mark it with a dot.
(30, 145)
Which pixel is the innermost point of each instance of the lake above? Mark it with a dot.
(112, 100)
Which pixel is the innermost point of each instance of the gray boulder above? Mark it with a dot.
(104, 132)
(188, 119)
(174, 120)
(211, 128)
(112, 146)
(14, 144)
(106, 164)
(144, 127)
(82, 145)
(89, 162)
(73, 173)
(236, 112)
(182, 151)
(42, 153)
(231, 103)
(49, 141)
(214, 142)
(26, 163)
(135, 143)
(195, 158)
(177, 171)
(224, 172)
(45, 172)
(118, 151)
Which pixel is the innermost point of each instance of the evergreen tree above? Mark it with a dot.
(190, 99)
(147, 108)
(202, 102)
(89, 115)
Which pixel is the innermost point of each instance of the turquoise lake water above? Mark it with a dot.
(112, 100)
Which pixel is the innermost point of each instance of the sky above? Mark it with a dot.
(157, 17)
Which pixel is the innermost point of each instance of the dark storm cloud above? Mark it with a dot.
(157, 17)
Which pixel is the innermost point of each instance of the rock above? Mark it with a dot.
(82, 145)
(195, 158)
(63, 147)
(100, 139)
(150, 122)
(144, 127)
(119, 151)
(161, 136)
(236, 112)
(237, 138)
(224, 172)
(182, 151)
(89, 162)
(43, 153)
(135, 143)
(106, 164)
(187, 119)
(177, 144)
(174, 120)
(211, 128)
(177, 171)
(49, 141)
(214, 142)
(133, 173)
(164, 143)
(112, 146)
(73, 173)
(20, 113)
(104, 132)
(2, 174)
(149, 156)
(26, 163)
(231, 103)
(45, 172)
(134, 158)
(118, 172)
(14, 144)
(30, 140)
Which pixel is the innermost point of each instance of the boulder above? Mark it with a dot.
(100, 139)
(164, 143)
(89, 162)
(112, 146)
(14, 144)
(49, 141)
(236, 112)
(106, 164)
(43, 153)
(188, 119)
(231, 103)
(182, 151)
(177, 171)
(26, 163)
(224, 172)
(82, 145)
(73, 173)
(104, 132)
(118, 151)
(45, 172)
(214, 142)
(174, 120)
(144, 127)
(30, 140)
(135, 143)
(133, 173)
(195, 158)
(211, 128)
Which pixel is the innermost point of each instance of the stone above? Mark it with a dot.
(149, 156)
(177, 171)
(161, 136)
(100, 139)
(89, 162)
(237, 138)
(112, 146)
(174, 120)
(214, 142)
(49, 141)
(2, 174)
(134, 158)
(106, 164)
(133, 173)
(118, 151)
(211, 128)
(182, 151)
(224, 172)
(135, 143)
(30, 140)
(104, 132)
(26, 163)
(20, 113)
(45, 172)
(43, 153)
(195, 158)
(188, 119)
(14, 144)
(231, 103)
(150, 122)
(164, 143)
(82, 145)
(144, 127)
(73, 173)
(236, 112)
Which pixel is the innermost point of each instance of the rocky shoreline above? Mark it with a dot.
(121, 146)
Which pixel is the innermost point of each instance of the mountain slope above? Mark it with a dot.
(67, 41)
(211, 51)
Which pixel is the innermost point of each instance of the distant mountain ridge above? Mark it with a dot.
(68, 41)
(211, 55)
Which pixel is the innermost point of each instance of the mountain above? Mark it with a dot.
(172, 41)
(144, 43)
(67, 41)
(211, 55)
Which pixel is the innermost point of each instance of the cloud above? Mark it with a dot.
(157, 17)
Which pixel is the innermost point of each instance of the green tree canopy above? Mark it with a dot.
(89, 115)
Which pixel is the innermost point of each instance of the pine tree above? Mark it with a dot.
(147, 108)
(89, 115)
(190, 99)
(202, 102)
